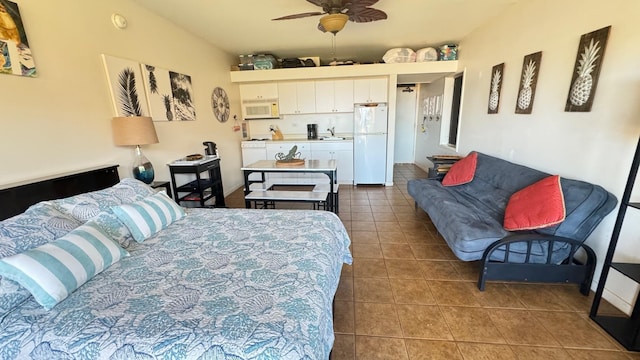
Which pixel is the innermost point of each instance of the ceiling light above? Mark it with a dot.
(334, 22)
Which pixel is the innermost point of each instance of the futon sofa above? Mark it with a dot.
(470, 218)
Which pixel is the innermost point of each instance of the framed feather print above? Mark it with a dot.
(528, 82)
(126, 86)
(586, 70)
(497, 74)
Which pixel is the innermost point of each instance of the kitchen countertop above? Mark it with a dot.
(346, 138)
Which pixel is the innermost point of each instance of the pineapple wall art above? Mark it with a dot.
(495, 89)
(587, 70)
(169, 94)
(528, 82)
(158, 86)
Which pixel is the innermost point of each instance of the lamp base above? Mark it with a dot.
(142, 168)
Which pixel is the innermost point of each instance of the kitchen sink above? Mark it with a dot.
(331, 138)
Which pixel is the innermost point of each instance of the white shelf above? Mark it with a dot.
(429, 71)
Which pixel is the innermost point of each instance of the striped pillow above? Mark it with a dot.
(54, 270)
(146, 217)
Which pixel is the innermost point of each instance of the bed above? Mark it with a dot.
(213, 284)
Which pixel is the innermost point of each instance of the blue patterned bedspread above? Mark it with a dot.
(218, 284)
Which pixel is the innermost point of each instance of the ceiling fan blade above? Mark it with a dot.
(366, 15)
(299, 16)
(357, 6)
(327, 6)
(317, 2)
(360, 3)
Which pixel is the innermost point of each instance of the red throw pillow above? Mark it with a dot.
(462, 171)
(537, 206)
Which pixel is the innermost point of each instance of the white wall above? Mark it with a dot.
(60, 120)
(595, 146)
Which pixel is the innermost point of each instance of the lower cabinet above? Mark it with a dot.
(342, 151)
(284, 147)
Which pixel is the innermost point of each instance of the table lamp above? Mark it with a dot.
(136, 130)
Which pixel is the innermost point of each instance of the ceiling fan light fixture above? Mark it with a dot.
(334, 22)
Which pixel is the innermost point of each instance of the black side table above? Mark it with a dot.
(202, 188)
(165, 184)
(441, 165)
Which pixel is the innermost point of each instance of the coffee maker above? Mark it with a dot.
(312, 131)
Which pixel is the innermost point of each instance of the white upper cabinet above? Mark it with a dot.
(297, 97)
(370, 90)
(260, 91)
(325, 96)
(343, 96)
(288, 98)
(334, 96)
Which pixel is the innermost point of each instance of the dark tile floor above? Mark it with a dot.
(407, 296)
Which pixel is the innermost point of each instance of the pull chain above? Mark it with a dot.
(333, 45)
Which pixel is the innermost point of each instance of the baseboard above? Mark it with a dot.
(617, 301)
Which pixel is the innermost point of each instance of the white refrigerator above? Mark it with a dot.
(370, 144)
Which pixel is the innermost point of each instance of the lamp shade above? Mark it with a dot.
(334, 22)
(133, 130)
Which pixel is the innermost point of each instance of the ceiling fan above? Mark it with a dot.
(337, 12)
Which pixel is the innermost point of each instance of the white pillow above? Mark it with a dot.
(54, 270)
(148, 216)
(399, 55)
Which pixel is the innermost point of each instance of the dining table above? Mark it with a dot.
(327, 167)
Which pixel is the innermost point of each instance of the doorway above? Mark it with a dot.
(405, 138)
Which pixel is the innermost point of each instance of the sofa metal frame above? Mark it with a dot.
(568, 271)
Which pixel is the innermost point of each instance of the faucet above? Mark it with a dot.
(332, 130)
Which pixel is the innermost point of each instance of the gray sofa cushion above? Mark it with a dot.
(470, 216)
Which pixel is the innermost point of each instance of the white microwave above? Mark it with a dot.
(260, 109)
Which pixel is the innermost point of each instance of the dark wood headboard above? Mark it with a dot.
(16, 198)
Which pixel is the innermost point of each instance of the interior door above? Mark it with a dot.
(404, 144)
